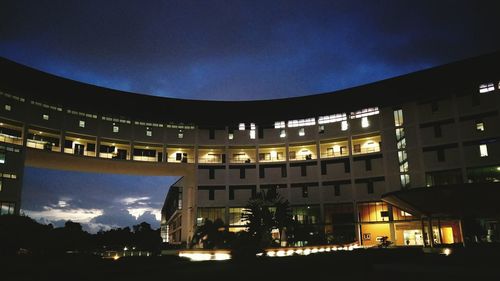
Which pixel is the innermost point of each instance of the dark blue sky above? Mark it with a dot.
(236, 50)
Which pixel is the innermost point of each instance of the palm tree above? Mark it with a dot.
(264, 212)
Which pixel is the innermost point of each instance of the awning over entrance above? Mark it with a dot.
(463, 200)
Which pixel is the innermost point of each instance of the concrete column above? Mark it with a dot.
(461, 232)
(430, 235)
(439, 230)
(423, 232)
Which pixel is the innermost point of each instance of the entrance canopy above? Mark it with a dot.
(462, 200)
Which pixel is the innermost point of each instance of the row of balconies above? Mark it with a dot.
(296, 195)
(118, 149)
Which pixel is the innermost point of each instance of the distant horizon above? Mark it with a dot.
(48, 198)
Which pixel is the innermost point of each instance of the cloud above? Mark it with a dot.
(134, 200)
(57, 214)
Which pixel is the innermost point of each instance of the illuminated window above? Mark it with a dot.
(252, 134)
(400, 133)
(398, 117)
(485, 88)
(45, 117)
(344, 126)
(483, 150)
(241, 127)
(405, 180)
(7, 208)
(149, 132)
(332, 118)
(81, 124)
(364, 122)
(2, 158)
(301, 122)
(116, 129)
(7, 107)
(279, 124)
(479, 126)
(302, 132)
(282, 133)
(180, 134)
(230, 136)
(364, 112)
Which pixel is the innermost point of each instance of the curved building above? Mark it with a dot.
(334, 156)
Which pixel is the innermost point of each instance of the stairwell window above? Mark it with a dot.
(8, 107)
(45, 117)
(81, 124)
(116, 129)
(483, 150)
(480, 126)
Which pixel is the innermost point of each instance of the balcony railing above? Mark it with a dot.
(11, 139)
(330, 154)
(366, 150)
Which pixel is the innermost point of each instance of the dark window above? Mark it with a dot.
(211, 174)
(242, 173)
(305, 192)
(91, 147)
(211, 134)
(476, 100)
(178, 156)
(231, 194)
(211, 194)
(437, 131)
(160, 157)
(369, 186)
(368, 164)
(303, 171)
(434, 106)
(357, 148)
(283, 172)
(261, 132)
(347, 167)
(440, 155)
(336, 190)
(68, 144)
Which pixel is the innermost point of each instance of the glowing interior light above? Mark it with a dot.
(241, 127)
(299, 251)
(115, 257)
(282, 133)
(271, 254)
(314, 251)
(222, 256)
(289, 252)
(302, 132)
(447, 251)
(307, 252)
(321, 250)
(334, 248)
(280, 253)
(364, 122)
(344, 125)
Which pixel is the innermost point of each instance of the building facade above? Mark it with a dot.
(332, 156)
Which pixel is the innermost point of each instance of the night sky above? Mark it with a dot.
(221, 50)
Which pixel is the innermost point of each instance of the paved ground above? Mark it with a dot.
(372, 264)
